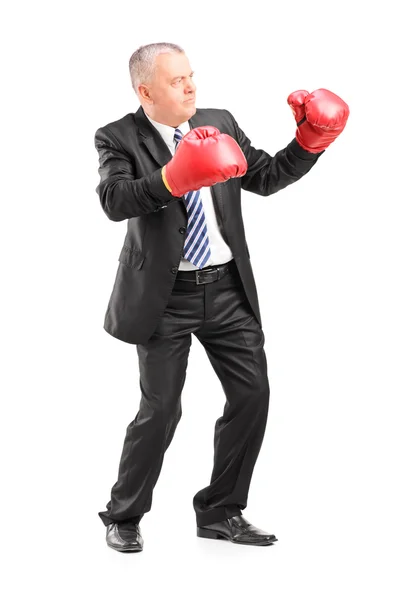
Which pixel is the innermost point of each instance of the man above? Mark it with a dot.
(175, 173)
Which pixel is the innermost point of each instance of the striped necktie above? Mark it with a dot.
(197, 245)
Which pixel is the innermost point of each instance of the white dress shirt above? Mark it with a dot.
(220, 251)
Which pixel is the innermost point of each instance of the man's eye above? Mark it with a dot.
(180, 79)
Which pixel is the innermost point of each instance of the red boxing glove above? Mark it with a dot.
(203, 157)
(320, 116)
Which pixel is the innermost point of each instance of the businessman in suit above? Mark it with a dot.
(175, 173)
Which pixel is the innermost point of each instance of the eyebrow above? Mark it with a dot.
(179, 76)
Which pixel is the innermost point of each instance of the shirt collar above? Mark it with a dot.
(167, 132)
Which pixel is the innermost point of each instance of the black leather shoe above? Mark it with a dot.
(238, 530)
(125, 537)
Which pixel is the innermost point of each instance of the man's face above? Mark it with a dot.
(171, 97)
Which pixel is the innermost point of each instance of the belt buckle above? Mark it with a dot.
(205, 272)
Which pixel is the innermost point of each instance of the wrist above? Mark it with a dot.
(165, 180)
(301, 152)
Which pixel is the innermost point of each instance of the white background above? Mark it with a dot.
(325, 254)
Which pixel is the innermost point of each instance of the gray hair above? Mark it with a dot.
(142, 62)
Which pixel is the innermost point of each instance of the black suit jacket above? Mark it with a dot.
(131, 156)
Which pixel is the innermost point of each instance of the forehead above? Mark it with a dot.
(173, 65)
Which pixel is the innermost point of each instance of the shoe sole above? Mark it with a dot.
(216, 535)
(124, 549)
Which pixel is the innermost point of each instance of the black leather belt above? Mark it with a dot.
(208, 274)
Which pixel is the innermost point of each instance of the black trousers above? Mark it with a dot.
(219, 315)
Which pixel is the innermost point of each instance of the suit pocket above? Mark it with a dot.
(131, 257)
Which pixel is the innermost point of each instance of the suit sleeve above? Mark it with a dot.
(122, 195)
(268, 174)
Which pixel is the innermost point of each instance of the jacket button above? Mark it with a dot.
(174, 269)
(182, 229)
